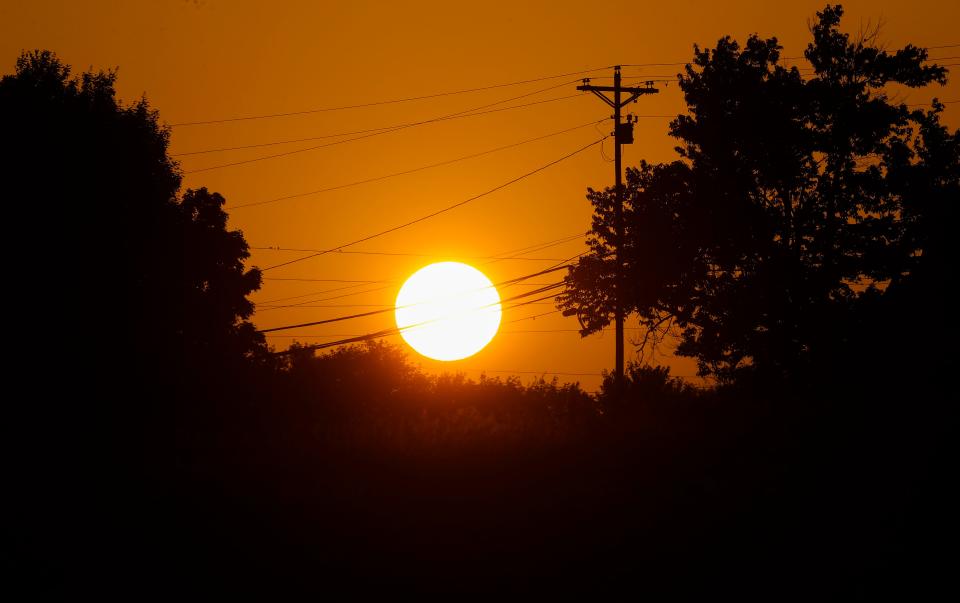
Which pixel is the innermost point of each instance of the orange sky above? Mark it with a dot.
(217, 59)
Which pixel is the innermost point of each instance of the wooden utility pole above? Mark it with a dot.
(622, 134)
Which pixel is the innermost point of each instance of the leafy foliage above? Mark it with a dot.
(94, 197)
(799, 204)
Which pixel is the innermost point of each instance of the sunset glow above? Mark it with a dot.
(448, 311)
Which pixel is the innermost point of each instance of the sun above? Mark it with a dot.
(448, 311)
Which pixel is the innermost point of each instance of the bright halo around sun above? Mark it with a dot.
(448, 311)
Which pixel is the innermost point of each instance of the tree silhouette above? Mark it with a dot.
(800, 205)
(128, 309)
(145, 277)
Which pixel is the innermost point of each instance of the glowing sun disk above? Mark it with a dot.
(448, 311)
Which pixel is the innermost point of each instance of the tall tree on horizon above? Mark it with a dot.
(129, 327)
(802, 207)
(144, 273)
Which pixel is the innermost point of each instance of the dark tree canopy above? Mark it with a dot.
(802, 208)
(130, 320)
(109, 256)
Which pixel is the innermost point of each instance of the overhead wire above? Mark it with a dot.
(385, 102)
(321, 280)
(471, 112)
(500, 284)
(513, 254)
(391, 309)
(542, 314)
(389, 129)
(522, 250)
(397, 330)
(385, 129)
(327, 251)
(408, 254)
(438, 212)
(504, 283)
(536, 248)
(280, 299)
(516, 331)
(418, 169)
(307, 307)
(311, 301)
(385, 253)
(453, 92)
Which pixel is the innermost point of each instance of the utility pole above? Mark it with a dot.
(622, 134)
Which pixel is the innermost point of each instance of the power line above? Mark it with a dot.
(475, 112)
(528, 249)
(312, 301)
(321, 280)
(280, 299)
(306, 307)
(544, 245)
(391, 308)
(384, 102)
(417, 169)
(454, 92)
(517, 331)
(397, 331)
(567, 330)
(394, 330)
(520, 251)
(368, 133)
(438, 212)
(532, 317)
(502, 283)
(472, 112)
(409, 254)
(382, 311)
(387, 129)
(510, 254)
(536, 248)
(659, 77)
(505, 284)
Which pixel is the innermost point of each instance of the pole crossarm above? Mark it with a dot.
(599, 95)
(634, 93)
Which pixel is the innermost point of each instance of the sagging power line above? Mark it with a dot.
(416, 169)
(410, 254)
(512, 252)
(438, 212)
(384, 102)
(471, 112)
(391, 309)
(263, 116)
(372, 131)
(398, 330)
(359, 283)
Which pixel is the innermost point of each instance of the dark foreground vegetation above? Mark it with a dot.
(161, 450)
(352, 473)
(363, 475)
